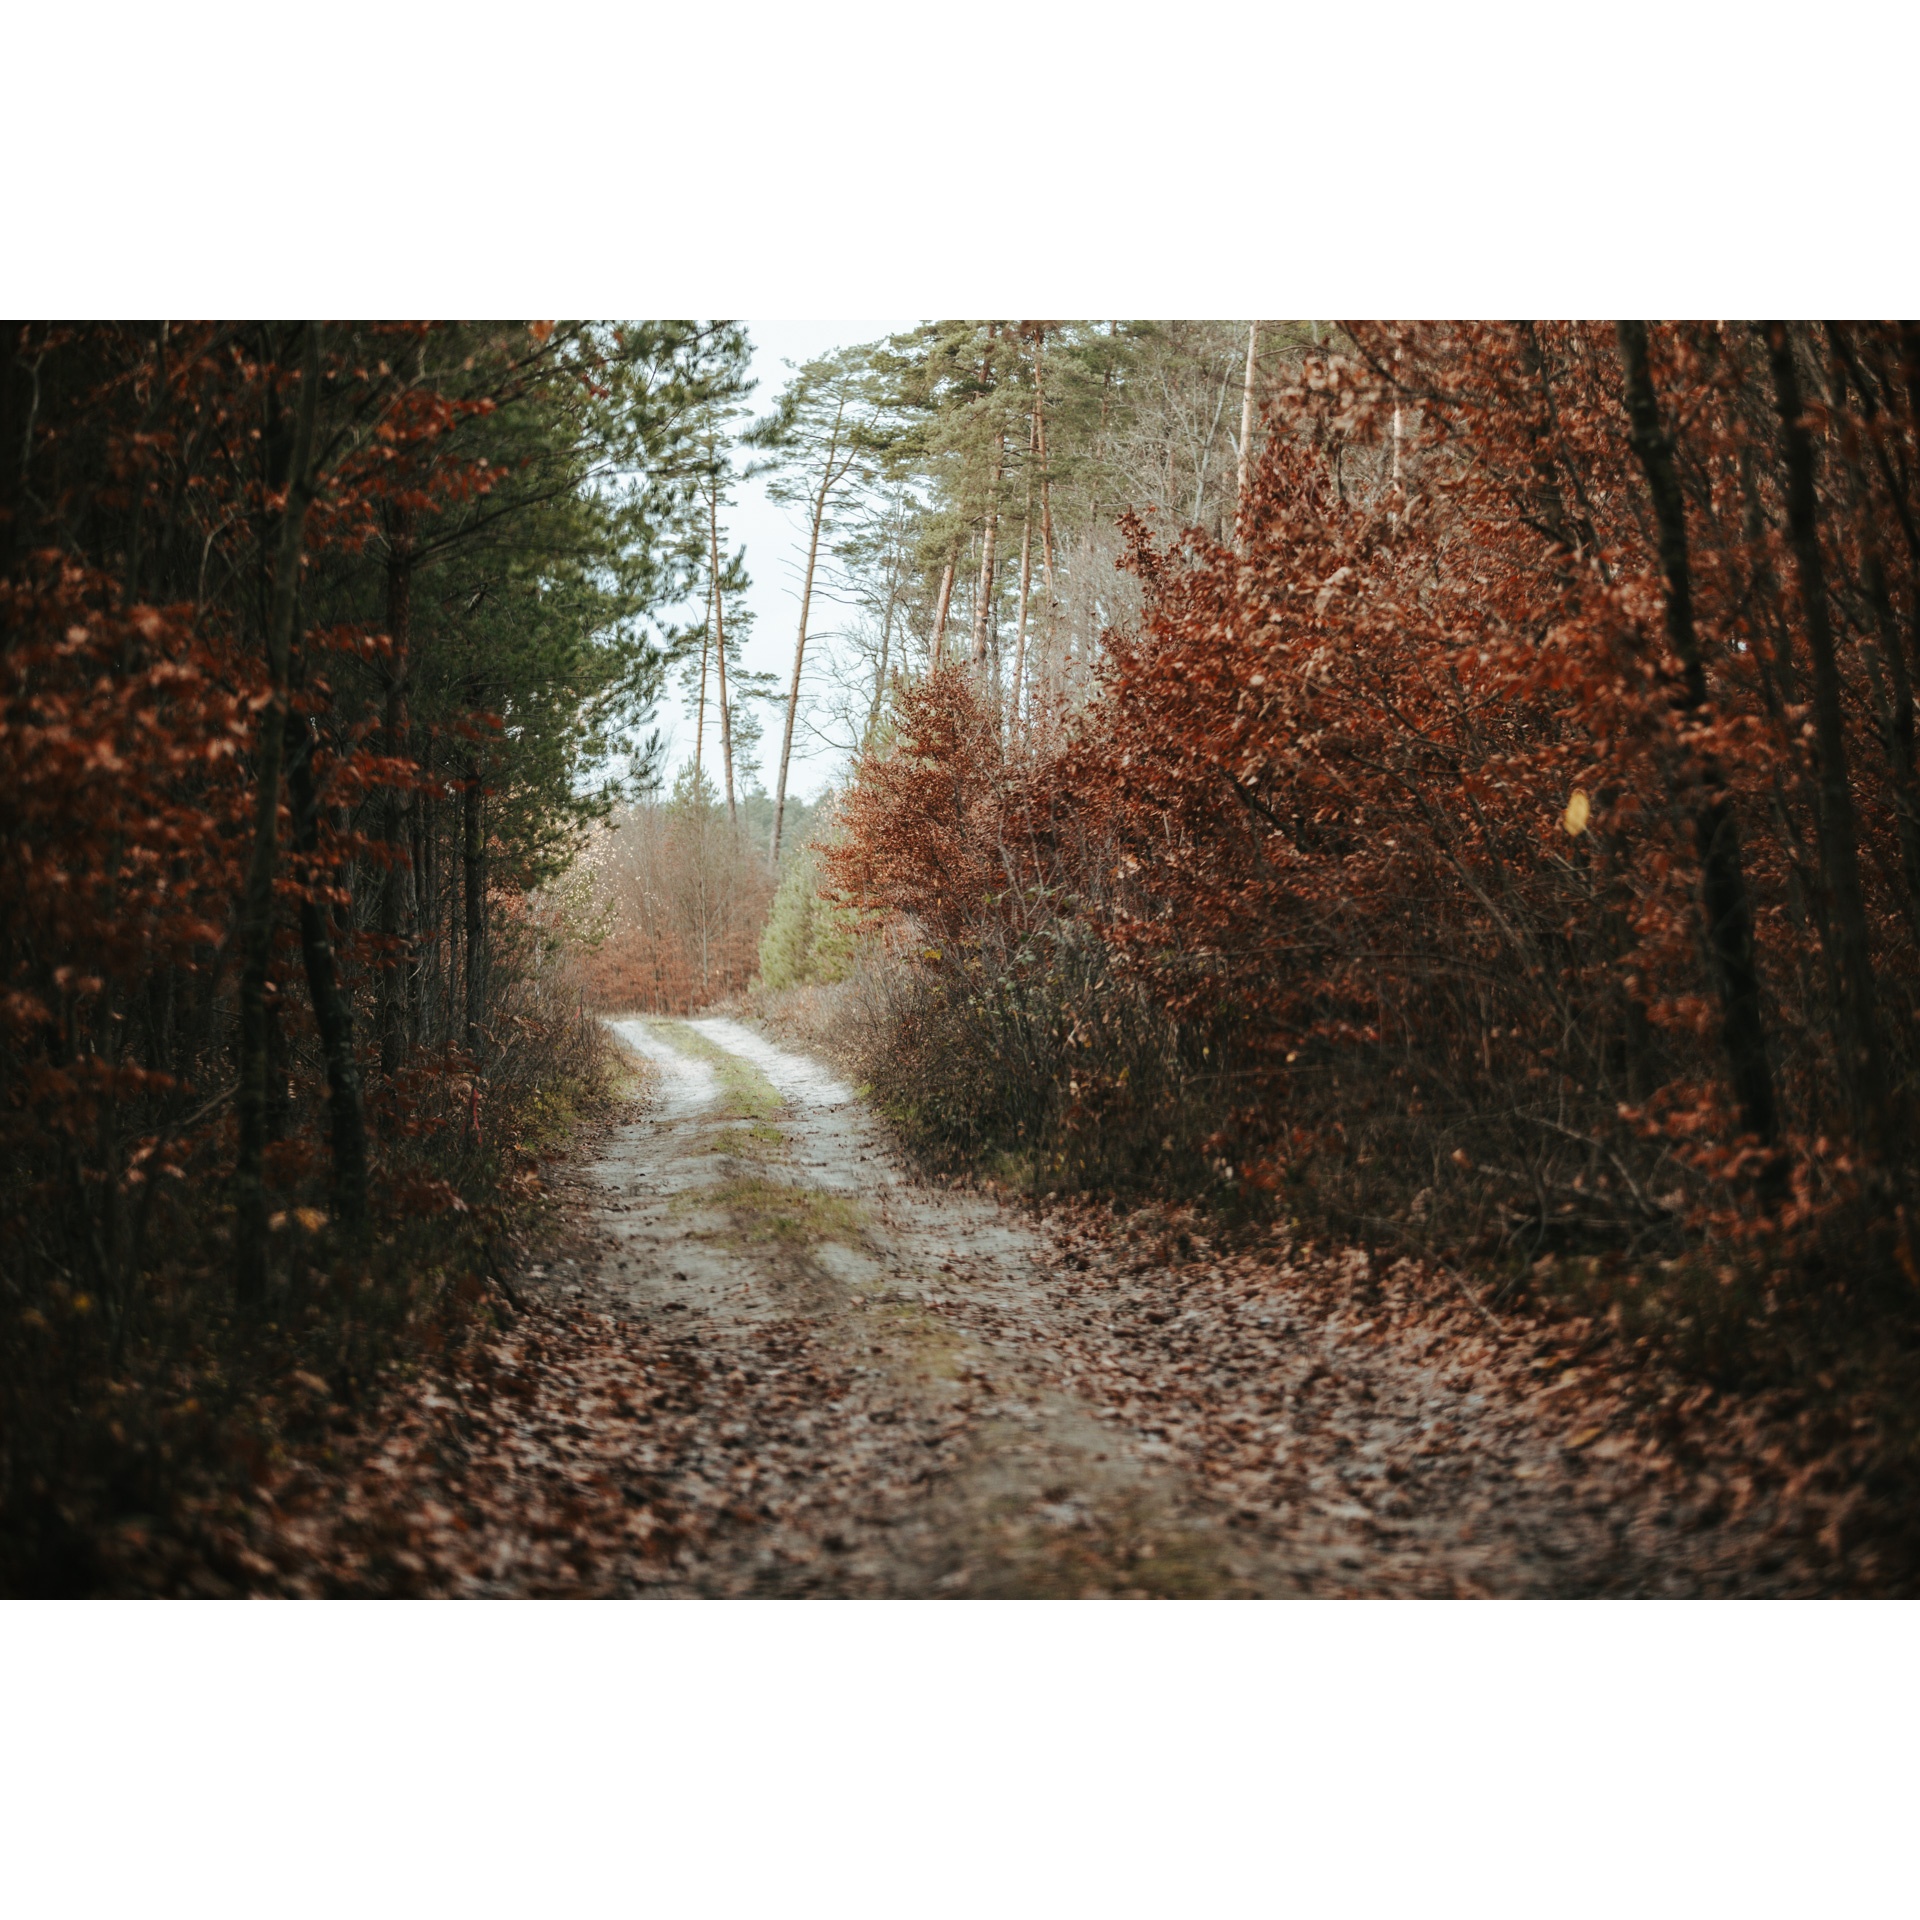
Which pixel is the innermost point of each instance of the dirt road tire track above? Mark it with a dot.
(909, 1390)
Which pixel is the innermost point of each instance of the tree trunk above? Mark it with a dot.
(983, 597)
(880, 672)
(1026, 584)
(720, 654)
(332, 1009)
(800, 644)
(1246, 422)
(1077, 643)
(279, 1072)
(1052, 670)
(1729, 911)
(426, 863)
(456, 945)
(940, 613)
(397, 906)
(700, 712)
(1861, 1066)
(256, 912)
(1046, 479)
(1888, 660)
(17, 408)
(474, 856)
(886, 647)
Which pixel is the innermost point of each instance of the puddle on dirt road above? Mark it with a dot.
(759, 1190)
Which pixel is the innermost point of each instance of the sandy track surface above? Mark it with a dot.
(760, 1226)
(866, 1385)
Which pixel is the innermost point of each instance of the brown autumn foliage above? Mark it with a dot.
(686, 893)
(275, 1010)
(1509, 852)
(1505, 846)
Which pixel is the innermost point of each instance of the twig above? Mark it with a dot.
(1655, 1210)
(194, 1119)
(1467, 1294)
(1652, 1210)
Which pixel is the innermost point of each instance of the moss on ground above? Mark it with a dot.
(770, 1212)
(758, 1143)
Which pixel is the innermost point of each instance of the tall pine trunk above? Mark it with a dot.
(1728, 908)
(800, 644)
(1052, 674)
(1046, 478)
(938, 644)
(983, 587)
(720, 653)
(880, 672)
(256, 912)
(983, 596)
(700, 710)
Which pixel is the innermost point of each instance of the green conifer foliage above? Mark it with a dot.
(809, 941)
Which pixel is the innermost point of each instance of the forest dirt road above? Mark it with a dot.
(855, 1383)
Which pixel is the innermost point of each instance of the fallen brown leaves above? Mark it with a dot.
(1376, 1432)
(1354, 1428)
(574, 1454)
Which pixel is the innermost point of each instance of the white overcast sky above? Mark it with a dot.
(775, 540)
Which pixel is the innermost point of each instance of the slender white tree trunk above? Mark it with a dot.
(1052, 672)
(880, 672)
(1026, 582)
(1246, 420)
(983, 596)
(1046, 506)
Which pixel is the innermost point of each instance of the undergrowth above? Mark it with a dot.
(1043, 1072)
(125, 1439)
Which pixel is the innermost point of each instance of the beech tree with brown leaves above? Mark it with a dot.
(309, 634)
(1489, 839)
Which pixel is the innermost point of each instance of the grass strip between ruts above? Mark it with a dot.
(748, 1092)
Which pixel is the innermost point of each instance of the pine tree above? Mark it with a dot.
(823, 438)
